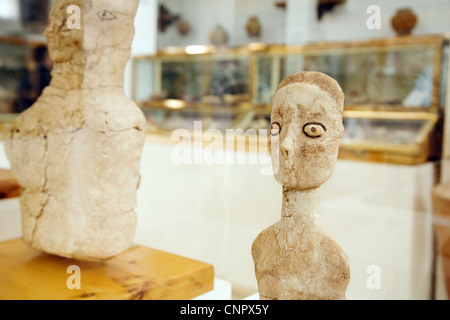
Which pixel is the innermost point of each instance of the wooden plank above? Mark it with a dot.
(138, 273)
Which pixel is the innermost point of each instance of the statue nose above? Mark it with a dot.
(287, 147)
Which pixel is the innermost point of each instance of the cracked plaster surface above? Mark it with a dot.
(76, 151)
(297, 258)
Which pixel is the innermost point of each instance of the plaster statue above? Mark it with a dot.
(297, 258)
(76, 151)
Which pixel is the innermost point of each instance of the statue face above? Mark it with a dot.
(109, 23)
(306, 128)
(62, 41)
(102, 23)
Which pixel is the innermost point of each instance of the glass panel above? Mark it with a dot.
(402, 76)
(180, 78)
(364, 130)
(216, 81)
(13, 80)
(398, 76)
(264, 88)
(229, 77)
(143, 80)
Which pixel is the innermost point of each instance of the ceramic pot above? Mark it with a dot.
(253, 27)
(183, 27)
(219, 36)
(404, 21)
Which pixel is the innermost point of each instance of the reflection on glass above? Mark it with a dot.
(229, 77)
(213, 81)
(363, 130)
(181, 80)
(390, 76)
(264, 88)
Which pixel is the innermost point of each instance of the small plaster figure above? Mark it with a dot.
(297, 258)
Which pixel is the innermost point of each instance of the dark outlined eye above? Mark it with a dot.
(275, 129)
(314, 129)
(106, 15)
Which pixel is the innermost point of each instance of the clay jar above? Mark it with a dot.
(404, 21)
(219, 36)
(183, 27)
(253, 27)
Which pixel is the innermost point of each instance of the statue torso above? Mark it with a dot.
(300, 261)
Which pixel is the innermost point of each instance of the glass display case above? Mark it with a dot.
(177, 86)
(394, 90)
(393, 137)
(391, 74)
(15, 57)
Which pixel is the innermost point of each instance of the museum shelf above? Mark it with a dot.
(392, 137)
(394, 87)
(232, 89)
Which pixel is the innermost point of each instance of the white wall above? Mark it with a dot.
(300, 16)
(348, 21)
(204, 15)
(298, 24)
(271, 19)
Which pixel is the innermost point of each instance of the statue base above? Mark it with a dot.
(138, 273)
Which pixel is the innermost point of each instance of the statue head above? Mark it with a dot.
(90, 41)
(306, 126)
(86, 25)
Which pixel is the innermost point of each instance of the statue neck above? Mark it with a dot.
(90, 70)
(300, 203)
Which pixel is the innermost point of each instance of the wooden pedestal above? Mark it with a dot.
(138, 273)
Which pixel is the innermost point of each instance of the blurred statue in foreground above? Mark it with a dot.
(76, 152)
(297, 258)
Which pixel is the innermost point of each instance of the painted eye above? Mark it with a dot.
(275, 129)
(106, 15)
(314, 129)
